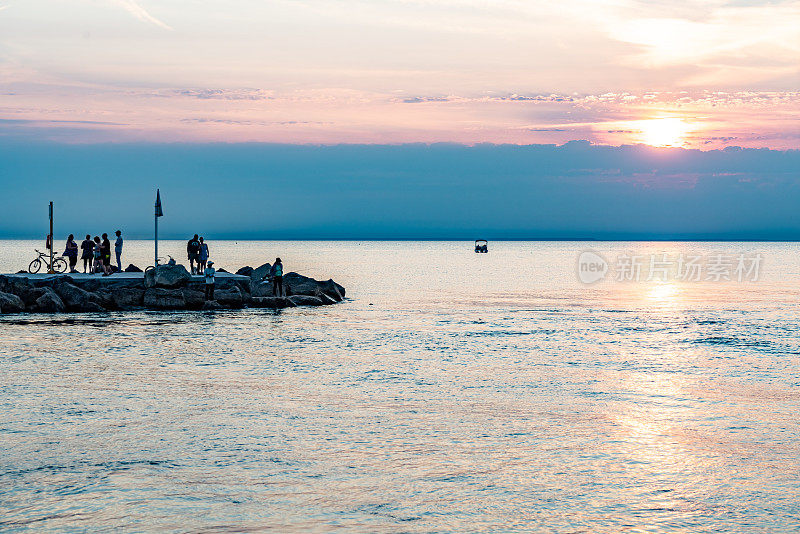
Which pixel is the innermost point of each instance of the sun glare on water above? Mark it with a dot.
(663, 132)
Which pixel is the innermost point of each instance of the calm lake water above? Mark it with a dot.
(451, 392)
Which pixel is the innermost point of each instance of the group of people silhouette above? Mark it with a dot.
(95, 253)
(197, 250)
(96, 256)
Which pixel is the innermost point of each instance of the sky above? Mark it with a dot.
(689, 73)
(402, 118)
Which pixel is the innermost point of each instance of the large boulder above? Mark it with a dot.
(169, 276)
(306, 300)
(231, 297)
(20, 286)
(326, 299)
(259, 273)
(126, 298)
(30, 297)
(297, 284)
(131, 268)
(105, 298)
(211, 305)
(262, 289)
(10, 303)
(75, 298)
(245, 271)
(164, 299)
(48, 302)
(194, 298)
(271, 302)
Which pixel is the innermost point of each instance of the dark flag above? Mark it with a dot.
(159, 213)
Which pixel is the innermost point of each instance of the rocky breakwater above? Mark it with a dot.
(168, 287)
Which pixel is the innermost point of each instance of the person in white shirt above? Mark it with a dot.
(209, 276)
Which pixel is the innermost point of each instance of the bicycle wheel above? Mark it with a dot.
(149, 268)
(60, 265)
(35, 266)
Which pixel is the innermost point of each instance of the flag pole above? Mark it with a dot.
(50, 270)
(158, 213)
(158, 199)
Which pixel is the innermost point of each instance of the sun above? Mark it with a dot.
(663, 132)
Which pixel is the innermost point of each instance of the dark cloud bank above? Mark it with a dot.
(404, 191)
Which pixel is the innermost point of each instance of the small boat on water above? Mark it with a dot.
(481, 246)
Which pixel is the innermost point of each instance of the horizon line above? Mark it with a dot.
(27, 141)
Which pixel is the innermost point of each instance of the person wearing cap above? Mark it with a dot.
(209, 276)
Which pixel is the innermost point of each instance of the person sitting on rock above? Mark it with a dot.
(209, 273)
(193, 251)
(276, 272)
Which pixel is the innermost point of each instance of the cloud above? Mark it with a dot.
(132, 7)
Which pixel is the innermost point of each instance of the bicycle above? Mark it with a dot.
(59, 264)
(171, 261)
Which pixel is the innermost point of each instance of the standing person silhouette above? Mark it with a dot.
(105, 249)
(193, 251)
(203, 257)
(118, 250)
(209, 278)
(276, 272)
(97, 252)
(71, 252)
(88, 253)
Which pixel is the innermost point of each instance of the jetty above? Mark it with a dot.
(166, 287)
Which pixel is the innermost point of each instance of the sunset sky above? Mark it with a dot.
(694, 74)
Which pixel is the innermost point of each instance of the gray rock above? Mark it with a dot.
(75, 298)
(193, 297)
(164, 299)
(91, 285)
(332, 289)
(210, 305)
(126, 298)
(271, 302)
(106, 299)
(262, 289)
(10, 303)
(297, 284)
(19, 286)
(30, 297)
(245, 271)
(259, 273)
(48, 302)
(169, 276)
(131, 268)
(327, 299)
(306, 300)
(229, 297)
(93, 307)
